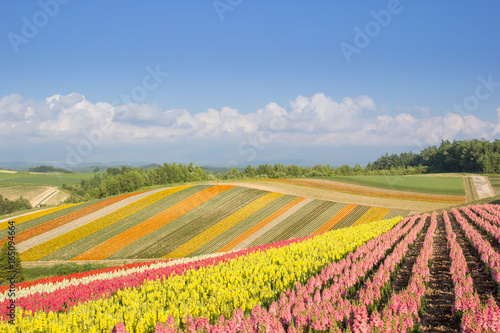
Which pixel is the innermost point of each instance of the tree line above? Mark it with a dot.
(48, 168)
(10, 206)
(458, 156)
(472, 156)
(116, 181)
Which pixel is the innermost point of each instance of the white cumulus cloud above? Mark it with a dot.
(318, 120)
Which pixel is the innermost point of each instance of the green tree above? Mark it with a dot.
(250, 171)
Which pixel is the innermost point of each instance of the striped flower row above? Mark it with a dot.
(51, 285)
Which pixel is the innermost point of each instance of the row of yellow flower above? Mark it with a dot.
(211, 291)
(28, 217)
(59, 242)
(373, 214)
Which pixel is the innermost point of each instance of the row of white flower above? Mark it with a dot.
(51, 287)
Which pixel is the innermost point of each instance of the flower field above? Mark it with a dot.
(181, 221)
(430, 272)
(203, 288)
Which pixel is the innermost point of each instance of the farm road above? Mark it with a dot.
(483, 187)
(44, 196)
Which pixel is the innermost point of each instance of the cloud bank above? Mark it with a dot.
(315, 121)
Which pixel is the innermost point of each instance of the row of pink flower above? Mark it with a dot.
(308, 307)
(320, 304)
(492, 209)
(402, 310)
(487, 253)
(492, 229)
(475, 317)
(70, 296)
(372, 291)
(487, 212)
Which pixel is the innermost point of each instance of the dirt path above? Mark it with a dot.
(39, 199)
(483, 187)
(440, 296)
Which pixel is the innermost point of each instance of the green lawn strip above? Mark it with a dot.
(351, 217)
(235, 231)
(302, 223)
(84, 244)
(19, 190)
(495, 183)
(419, 184)
(314, 224)
(302, 213)
(188, 226)
(475, 196)
(9, 175)
(471, 189)
(42, 219)
(396, 212)
(49, 180)
(32, 273)
(468, 188)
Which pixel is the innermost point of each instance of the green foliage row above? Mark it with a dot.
(40, 272)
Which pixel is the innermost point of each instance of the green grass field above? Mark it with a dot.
(43, 179)
(420, 184)
(495, 183)
(7, 175)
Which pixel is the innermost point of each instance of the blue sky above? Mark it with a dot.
(235, 70)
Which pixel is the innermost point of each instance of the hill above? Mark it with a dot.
(181, 221)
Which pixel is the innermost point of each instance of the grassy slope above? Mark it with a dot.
(26, 191)
(419, 184)
(44, 179)
(495, 183)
